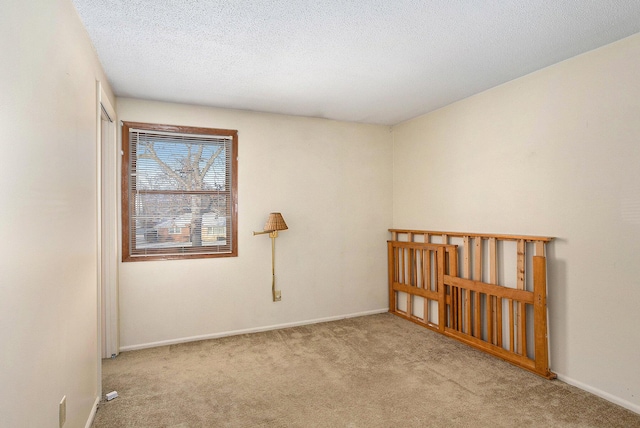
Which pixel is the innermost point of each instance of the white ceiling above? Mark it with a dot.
(373, 61)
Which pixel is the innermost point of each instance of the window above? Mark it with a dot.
(175, 230)
(179, 192)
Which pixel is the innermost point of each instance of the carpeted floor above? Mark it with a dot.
(374, 371)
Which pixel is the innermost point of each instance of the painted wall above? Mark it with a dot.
(48, 285)
(332, 182)
(555, 153)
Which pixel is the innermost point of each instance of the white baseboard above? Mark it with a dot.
(92, 415)
(248, 330)
(600, 393)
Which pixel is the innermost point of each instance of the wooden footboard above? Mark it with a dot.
(432, 284)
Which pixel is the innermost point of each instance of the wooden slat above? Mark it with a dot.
(428, 268)
(398, 265)
(425, 302)
(524, 362)
(540, 315)
(441, 289)
(396, 260)
(467, 311)
(452, 269)
(391, 265)
(426, 282)
(496, 304)
(420, 245)
(459, 309)
(499, 321)
(403, 251)
(520, 285)
(495, 290)
(540, 248)
(466, 256)
(477, 256)
(466, 273)
(511, 326)
(401, 264)
(410, 282)
(451, 318)
(502, 237)
(489, 317)
(414, 291)
(477, 322)
(522, 334)
(417, 268)
(477, 275)
(423, 273)
(414, 267)
(451, 252)
(493, 261)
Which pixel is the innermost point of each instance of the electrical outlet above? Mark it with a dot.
(278, 295)
(62, 412)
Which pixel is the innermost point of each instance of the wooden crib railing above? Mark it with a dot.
(463, 291)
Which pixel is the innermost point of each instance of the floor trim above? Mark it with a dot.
(600, 393)
(92, 415)
(249, 330)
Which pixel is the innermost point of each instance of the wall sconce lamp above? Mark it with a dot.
(274, 224)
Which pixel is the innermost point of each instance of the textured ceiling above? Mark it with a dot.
(374, 61)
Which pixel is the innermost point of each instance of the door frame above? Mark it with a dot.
(107, 231)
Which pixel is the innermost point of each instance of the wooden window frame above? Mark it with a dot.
(126, 174)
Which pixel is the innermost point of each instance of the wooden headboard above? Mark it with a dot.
(486, 290)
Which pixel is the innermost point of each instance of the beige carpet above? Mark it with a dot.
(374, 371)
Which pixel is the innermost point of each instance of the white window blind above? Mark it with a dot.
(180, 193)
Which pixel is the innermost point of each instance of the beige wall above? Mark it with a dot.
(555, 153)
(48, 285)
(331, 181)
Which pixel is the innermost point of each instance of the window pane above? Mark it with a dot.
(181, 192)
(175, 165)
(179, 223)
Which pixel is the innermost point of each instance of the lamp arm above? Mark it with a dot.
(261, 233)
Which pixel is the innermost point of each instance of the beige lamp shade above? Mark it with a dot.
(275, 222)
